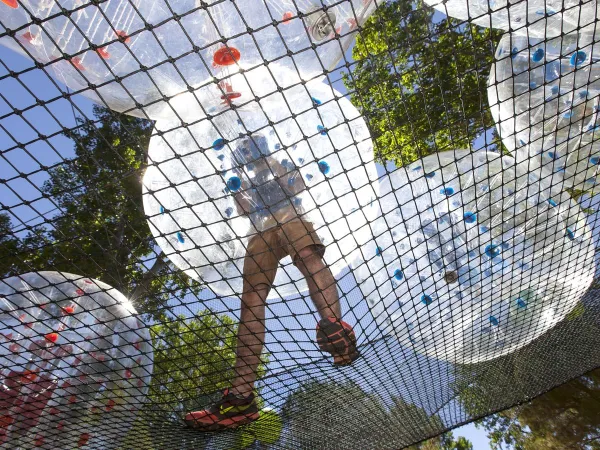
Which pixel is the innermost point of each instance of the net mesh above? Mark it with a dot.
(152, 153)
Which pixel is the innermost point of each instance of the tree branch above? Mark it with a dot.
(142, 287)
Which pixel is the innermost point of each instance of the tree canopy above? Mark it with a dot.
(566, 417)
(421, 82)
(323, 411)
(100, 229)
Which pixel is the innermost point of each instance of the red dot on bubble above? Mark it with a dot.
(29, 37)
(68, 309)
(52, 337)
(123, 37)
(103, 52)
(28, 376)
(287, 17)
(128, 373)
(60, 425)
(39, 441)
(83, 439)
(72, 399)
(14, 347)
(76, 61)
(110, 405)
(11, 3)
(226, 56)
(54, 411)
(80, 292)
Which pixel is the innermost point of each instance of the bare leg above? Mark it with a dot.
(250, 339)
(323, 290)
(321, 284)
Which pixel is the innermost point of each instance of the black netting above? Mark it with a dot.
(177, 177)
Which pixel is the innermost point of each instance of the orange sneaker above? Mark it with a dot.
(228, 413)
(337, 337)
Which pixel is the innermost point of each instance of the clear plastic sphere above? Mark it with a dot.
(105, 50)
(536, 18)
(304, 152)
(472, 258)
(544, 97)
(75, 362)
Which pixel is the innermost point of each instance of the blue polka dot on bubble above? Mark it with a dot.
(470, 217)
(578, 58)
(398, 275)
(447, 191)
(321, 129)
(316, 101)
(234, 183)
(426, 299)
(430, 175)
(552, 202)
(538, 55)
(492, 251)
(594, 160)
(570, 234)
(493, 321)
(180, 238)
(521, 303)
(378, 251)
(324, 167)
(218, 144)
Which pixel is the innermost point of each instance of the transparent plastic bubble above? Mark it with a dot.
(106, 51)
(211, 187)
(544, 98)
(536, 18)
(472, 258)
(75, 362)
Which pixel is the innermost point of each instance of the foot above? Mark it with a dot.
(337, 337)
(228, 413)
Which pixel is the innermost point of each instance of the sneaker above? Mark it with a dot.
(337, 337)
(228, 413)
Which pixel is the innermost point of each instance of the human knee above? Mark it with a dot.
(255, 295)
(310, 259)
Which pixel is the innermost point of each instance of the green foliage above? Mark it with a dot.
(191, 358)
(568, 417)
(9, 246)
(421, 84)
(322, 412)
(193, 362)
(101, 230)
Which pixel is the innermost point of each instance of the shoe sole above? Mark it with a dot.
(225, 424)
(340, 360)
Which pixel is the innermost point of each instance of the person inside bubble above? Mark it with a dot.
(267, 192)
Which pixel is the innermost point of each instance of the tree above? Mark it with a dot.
(321, 412)
(9, 245)
(566, 417)
(100, 230)
(420, 83)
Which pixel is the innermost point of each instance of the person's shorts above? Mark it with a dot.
(266, 249)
